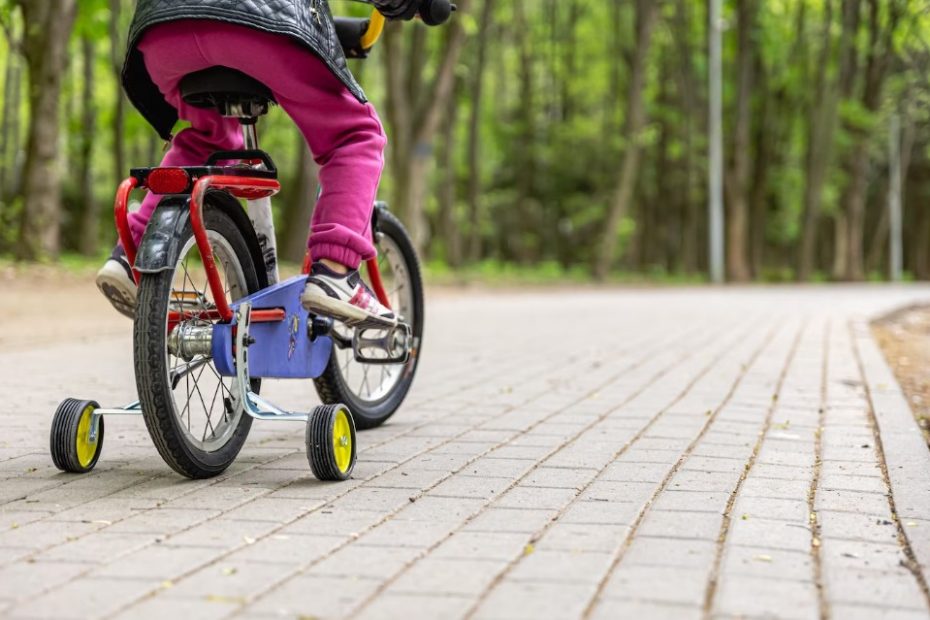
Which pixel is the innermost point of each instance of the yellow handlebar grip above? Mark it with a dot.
(375, 28)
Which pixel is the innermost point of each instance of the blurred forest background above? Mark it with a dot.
(566, 136)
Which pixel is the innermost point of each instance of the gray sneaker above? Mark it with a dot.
(116, 283)
(344, 297)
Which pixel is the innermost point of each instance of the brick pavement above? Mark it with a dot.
(683, 453)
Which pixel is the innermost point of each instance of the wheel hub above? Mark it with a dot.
(188, 340)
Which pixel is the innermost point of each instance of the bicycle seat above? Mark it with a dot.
(231, 92)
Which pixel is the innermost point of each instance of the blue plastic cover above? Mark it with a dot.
(282, 349)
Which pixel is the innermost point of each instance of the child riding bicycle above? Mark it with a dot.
(291, 46)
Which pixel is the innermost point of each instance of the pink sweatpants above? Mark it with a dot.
(345, 136)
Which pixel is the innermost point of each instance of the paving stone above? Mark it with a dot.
(867, 586)
(85, 598)
(521, 473)
(289, 549)
(24, 581)
(770, 533)
(612, 608)
(520, 599)
(670, 552)
(535, 498)
(160, 607)
(764, 562)
(424, 604)
(665, 584)
(559, 477)
(221, 533)
(313, 596)
(471, 487)
(855, 526)
(157, 562)
(482, 545)
(856, 554)
(512, 520)
(466, 577)
(681, 524)
(747, 596)
(575, 566)
(794, 510)
(580, 537)
(364, 562)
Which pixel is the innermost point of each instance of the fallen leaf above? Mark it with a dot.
(762, 557)
(167, 584)
(218, 598)
(528, 549)
(230, 570)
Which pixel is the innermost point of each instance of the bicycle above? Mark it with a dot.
(222, 337)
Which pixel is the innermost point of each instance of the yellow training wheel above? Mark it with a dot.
(330, 442)
(76, 436)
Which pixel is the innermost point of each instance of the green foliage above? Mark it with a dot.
(551, 134)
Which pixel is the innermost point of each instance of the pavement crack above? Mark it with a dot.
(711, 589)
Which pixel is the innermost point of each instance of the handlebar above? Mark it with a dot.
(432, 12)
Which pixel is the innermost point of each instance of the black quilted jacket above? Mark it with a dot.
(308, 21)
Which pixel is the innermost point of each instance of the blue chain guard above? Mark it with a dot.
(282, 349)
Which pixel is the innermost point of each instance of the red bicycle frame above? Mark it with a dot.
(250, 188)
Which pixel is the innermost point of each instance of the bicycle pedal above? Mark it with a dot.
(394, 343)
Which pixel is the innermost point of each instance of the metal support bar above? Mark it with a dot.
(133, 408)
(252, 403)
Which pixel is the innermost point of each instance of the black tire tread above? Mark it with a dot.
(149, 346)
(63, 436)
(319, 443)
(330, 386)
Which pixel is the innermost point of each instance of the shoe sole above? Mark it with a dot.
(113, 287)
(342, 311)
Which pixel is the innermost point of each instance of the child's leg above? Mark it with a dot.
(345, 136)
(170, 54)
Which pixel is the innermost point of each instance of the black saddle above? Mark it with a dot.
(231, 92)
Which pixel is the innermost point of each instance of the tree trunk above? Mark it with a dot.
(879, 57)
(474, 133)
(90, 214)
(526, 137)
(9, 138)
(692, 110)
(44, 44)
(449, 227)
(647, 12)
(738, 266)
(765, 141)
(414, 110)
(822, 124)
(299, 207)
(119, 107)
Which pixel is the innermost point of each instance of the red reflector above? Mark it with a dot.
(168, 181)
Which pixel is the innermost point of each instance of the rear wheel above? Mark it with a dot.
(187, 405)
(375, 391)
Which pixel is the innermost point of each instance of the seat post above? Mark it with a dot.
(249, 135)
